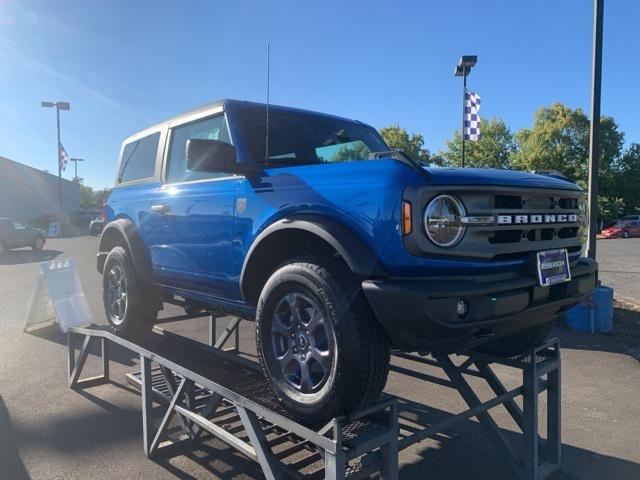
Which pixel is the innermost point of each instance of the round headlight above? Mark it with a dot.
(442, 220)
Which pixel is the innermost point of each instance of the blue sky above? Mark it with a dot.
(124, 65)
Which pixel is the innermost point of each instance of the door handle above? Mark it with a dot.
(161, 209)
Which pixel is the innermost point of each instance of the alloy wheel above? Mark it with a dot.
(302, 342)
(117, 294)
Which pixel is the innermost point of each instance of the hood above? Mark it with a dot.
(494, 176)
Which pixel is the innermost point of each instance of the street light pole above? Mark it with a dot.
(75, 162)
(59, 162)
(58, 106)
(594, 136)
(464, 101)
(463, 69)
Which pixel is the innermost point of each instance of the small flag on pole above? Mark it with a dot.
(471, 117)
(63, 158)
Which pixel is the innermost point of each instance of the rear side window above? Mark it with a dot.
(139, 158)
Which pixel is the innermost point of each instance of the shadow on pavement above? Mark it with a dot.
(466, 452)
(118, 354)
(10, 462)
(19, 257)
(624, 339)
(463, 452)
(220, 460)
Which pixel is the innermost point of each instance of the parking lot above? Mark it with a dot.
(49, 431)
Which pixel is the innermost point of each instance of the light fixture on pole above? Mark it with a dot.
(463, 69)
(58, 106)
(75, 162)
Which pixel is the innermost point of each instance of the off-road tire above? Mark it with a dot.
(140, 311)
(520, 342)
(360, 363)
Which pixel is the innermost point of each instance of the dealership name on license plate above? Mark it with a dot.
(553, 267)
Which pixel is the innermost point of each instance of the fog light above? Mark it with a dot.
(462, 308)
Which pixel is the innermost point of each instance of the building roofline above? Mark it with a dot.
(36, 169)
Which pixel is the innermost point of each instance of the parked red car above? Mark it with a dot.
(625, 228)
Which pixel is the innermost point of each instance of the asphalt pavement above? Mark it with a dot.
(619, 261)
(48, 431)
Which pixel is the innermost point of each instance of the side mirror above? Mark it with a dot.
(211, 156)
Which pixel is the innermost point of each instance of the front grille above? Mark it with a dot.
(526, 220)
(532, 235)
(541, 230)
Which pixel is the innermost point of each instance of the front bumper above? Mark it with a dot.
(420, 314)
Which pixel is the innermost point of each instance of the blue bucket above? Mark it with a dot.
(594, 313)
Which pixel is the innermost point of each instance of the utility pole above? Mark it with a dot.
(594, 137)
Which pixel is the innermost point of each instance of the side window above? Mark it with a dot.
(18, 226)
(212, 128)
(139, 158)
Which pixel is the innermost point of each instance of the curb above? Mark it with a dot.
(629, 300)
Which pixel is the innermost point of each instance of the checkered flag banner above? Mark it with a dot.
(471, 117)
(63, 157)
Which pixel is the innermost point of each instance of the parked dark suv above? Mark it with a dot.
(14, 234)
(339, 248)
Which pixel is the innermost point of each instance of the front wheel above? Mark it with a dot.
(128, 302)
(319, 345)
(626, 234)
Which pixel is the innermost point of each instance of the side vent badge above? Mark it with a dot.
(241, 205)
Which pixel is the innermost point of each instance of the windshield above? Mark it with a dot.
(304, 137)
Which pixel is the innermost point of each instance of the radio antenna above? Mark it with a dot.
(266, 149)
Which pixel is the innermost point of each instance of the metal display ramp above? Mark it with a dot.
(213, 391)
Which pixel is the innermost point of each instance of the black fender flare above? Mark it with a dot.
(120, 231)
(358, 256)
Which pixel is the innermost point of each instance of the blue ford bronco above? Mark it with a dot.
(339, 248)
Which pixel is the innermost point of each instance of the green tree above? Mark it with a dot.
(412, 144)
(87, 197)
(622, 179)
(493, 150)
(610, 208)
(559, 140)
(353, 151)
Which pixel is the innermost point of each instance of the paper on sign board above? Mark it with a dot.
(58, 282)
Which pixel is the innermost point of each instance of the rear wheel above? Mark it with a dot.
(626, 234)
(318, 343)
(520, 342)
(38, 244)
(129, 305)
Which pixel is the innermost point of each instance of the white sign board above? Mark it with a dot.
(57, 283)
(54, 230)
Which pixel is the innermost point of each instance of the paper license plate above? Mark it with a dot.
(553, 267)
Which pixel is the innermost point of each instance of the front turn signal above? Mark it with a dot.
(406, 218)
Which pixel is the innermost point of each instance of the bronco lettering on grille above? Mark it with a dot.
(536, 218)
